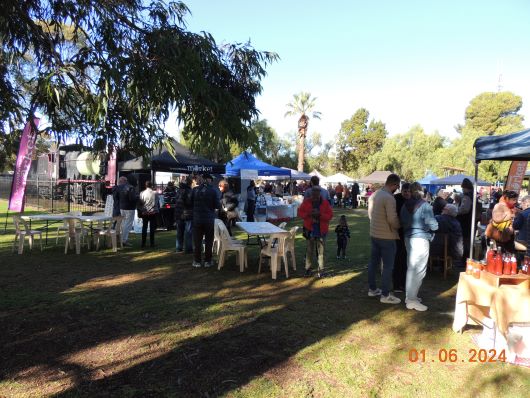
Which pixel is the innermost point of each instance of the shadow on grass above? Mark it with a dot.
(153, 326)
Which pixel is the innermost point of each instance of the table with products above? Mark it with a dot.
(474, 298)
(270, 208)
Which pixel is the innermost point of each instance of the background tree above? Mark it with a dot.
(302, 105)
(487, 114)
(120, 69)
(410, 155)
(357, 140)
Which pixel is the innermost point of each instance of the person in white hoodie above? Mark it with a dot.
(149, 209)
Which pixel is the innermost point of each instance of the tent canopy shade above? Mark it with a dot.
(247, 161)
(377, 177)
(427, 180)
(339, 177)
(175, 158)
(295, 175)
(514, 146)
(457, 180)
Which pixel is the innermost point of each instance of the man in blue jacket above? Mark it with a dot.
(205, 202)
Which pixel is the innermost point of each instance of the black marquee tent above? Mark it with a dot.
(514, 146)
(176, 159)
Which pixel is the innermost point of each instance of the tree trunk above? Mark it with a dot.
(301, 151)
(303, 122)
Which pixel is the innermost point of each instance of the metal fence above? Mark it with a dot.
(60, 196)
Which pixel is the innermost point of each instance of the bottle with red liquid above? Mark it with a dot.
(524, 268)
(498, 263)
(513, 263)
(506, 264)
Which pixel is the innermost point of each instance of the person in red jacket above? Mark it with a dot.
(316, 213)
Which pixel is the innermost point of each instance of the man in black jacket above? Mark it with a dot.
(168, 211)
(184, 217)
(127, 198)
(205, 202)
(228, 212)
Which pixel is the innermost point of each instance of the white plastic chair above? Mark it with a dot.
(64, 228)
(22, 231)
(227, 244)
(275, 250)
(112, 231)
(77, 234)
(290, 243)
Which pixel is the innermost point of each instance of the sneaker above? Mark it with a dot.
(410, 301)
(180, 251)
(127, 244)
(390, 299)
(308, 272)
(338, 257)
(208, 264)
(416, 305)
(374, 293)
(196, 264)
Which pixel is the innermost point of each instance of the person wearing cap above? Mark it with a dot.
(418, 223)
(448, 224)
(205, 201)
(316, 213)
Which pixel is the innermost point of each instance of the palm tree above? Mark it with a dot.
(302, 104)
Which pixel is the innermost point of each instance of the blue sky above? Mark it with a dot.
(407, 62)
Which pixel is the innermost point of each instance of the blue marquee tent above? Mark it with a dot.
(427, 183)
(247, 161)
(457, 180)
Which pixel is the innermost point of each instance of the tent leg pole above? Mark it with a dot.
(473, 214)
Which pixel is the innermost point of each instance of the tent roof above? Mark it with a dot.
(514, 146)
(339, 177)
(427, 180)
(295, 175)
(377, 177)
(182, 161)
(247, 161)
(315, 172)
(457, 180)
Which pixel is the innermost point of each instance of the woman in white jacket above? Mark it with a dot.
(149, 209)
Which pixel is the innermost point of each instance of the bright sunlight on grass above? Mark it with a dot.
(145, 323)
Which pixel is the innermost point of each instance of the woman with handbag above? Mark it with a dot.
(149, 209)
(500, 227)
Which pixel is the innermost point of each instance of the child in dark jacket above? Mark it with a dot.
(343, 235)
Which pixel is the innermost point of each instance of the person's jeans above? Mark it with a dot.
(342, 242)
(200, 230)
(385, 250)
(315, 246)
(185, 236)
(399, 274)
(417, 257)
(126, 224)
(251, 207)
(151, 219)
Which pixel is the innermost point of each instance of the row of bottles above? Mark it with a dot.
(501, 264)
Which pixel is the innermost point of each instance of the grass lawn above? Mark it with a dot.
(146, 324)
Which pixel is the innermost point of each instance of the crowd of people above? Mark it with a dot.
(405, 227)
